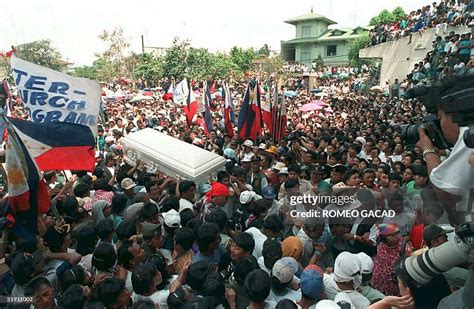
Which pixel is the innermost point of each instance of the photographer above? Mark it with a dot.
(452, 178)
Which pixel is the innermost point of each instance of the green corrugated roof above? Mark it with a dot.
(347, 35)
(327, 36)
(301, 40)
(309, 16)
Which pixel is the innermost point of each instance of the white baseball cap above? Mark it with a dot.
(246, 197)
(248, 143)
(172, 218)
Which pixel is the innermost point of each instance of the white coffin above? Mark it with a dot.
(176, 158)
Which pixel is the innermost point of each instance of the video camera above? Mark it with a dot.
(409, 132)
(455, 96)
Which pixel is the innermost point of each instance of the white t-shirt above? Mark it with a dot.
(290, 294)
(447, 46)
(184, 204)
(331, 290)
(158, 298)
(261, 263)
(396, 158)
(259, 239)
(454, 175)
(128, 282)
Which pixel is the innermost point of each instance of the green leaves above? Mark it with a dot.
(149, 68)
(180, 61)
(354, 47)
(386, 17)
(41, 53)
(242, 58)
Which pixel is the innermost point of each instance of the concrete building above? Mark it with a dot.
(313, 38)
(398, 57)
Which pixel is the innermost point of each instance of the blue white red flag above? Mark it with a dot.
(206, 95)
(27, 191)
(228, 110)
(191, 106)
(168, 96)
(57, 145)
(250, 116)
(268, 110)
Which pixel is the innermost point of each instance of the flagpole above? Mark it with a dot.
(280, 111)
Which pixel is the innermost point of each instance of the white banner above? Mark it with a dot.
(51, 96)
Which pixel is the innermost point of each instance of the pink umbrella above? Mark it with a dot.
(314, 105)
(319, 102)
(311, 107)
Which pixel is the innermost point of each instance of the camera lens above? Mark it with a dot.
(436, 260)
(409, 133)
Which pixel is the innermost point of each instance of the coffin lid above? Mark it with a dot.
(170, 155)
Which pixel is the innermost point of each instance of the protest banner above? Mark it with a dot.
(51, 96)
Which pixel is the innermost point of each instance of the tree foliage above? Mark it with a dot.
(174, 61)
(149, 68)
(355, 46)
(42, 53)
(398, 13)
(112, 63)
(387, 17)
(263, 52)
(180, 61)
(242, 58)
(319, 62)
(85, 71)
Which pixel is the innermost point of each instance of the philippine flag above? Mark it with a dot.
(250, 115)
(57, 145)
(268, 111)
(228, 110)
(168, 96)
(27, 191)
(206, 94)
(280, 131)
(191, 106)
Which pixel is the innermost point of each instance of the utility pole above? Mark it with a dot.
(143, 45)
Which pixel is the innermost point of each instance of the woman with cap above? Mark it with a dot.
(389, 250)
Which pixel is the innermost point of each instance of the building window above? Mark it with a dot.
(305, 53)
(306, 31)
(331, 50)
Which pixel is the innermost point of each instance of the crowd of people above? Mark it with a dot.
(437, 15)
(121, 237)
(449, 56)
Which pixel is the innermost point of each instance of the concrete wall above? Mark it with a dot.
(399, 57)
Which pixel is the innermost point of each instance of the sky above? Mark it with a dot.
(74, 26)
